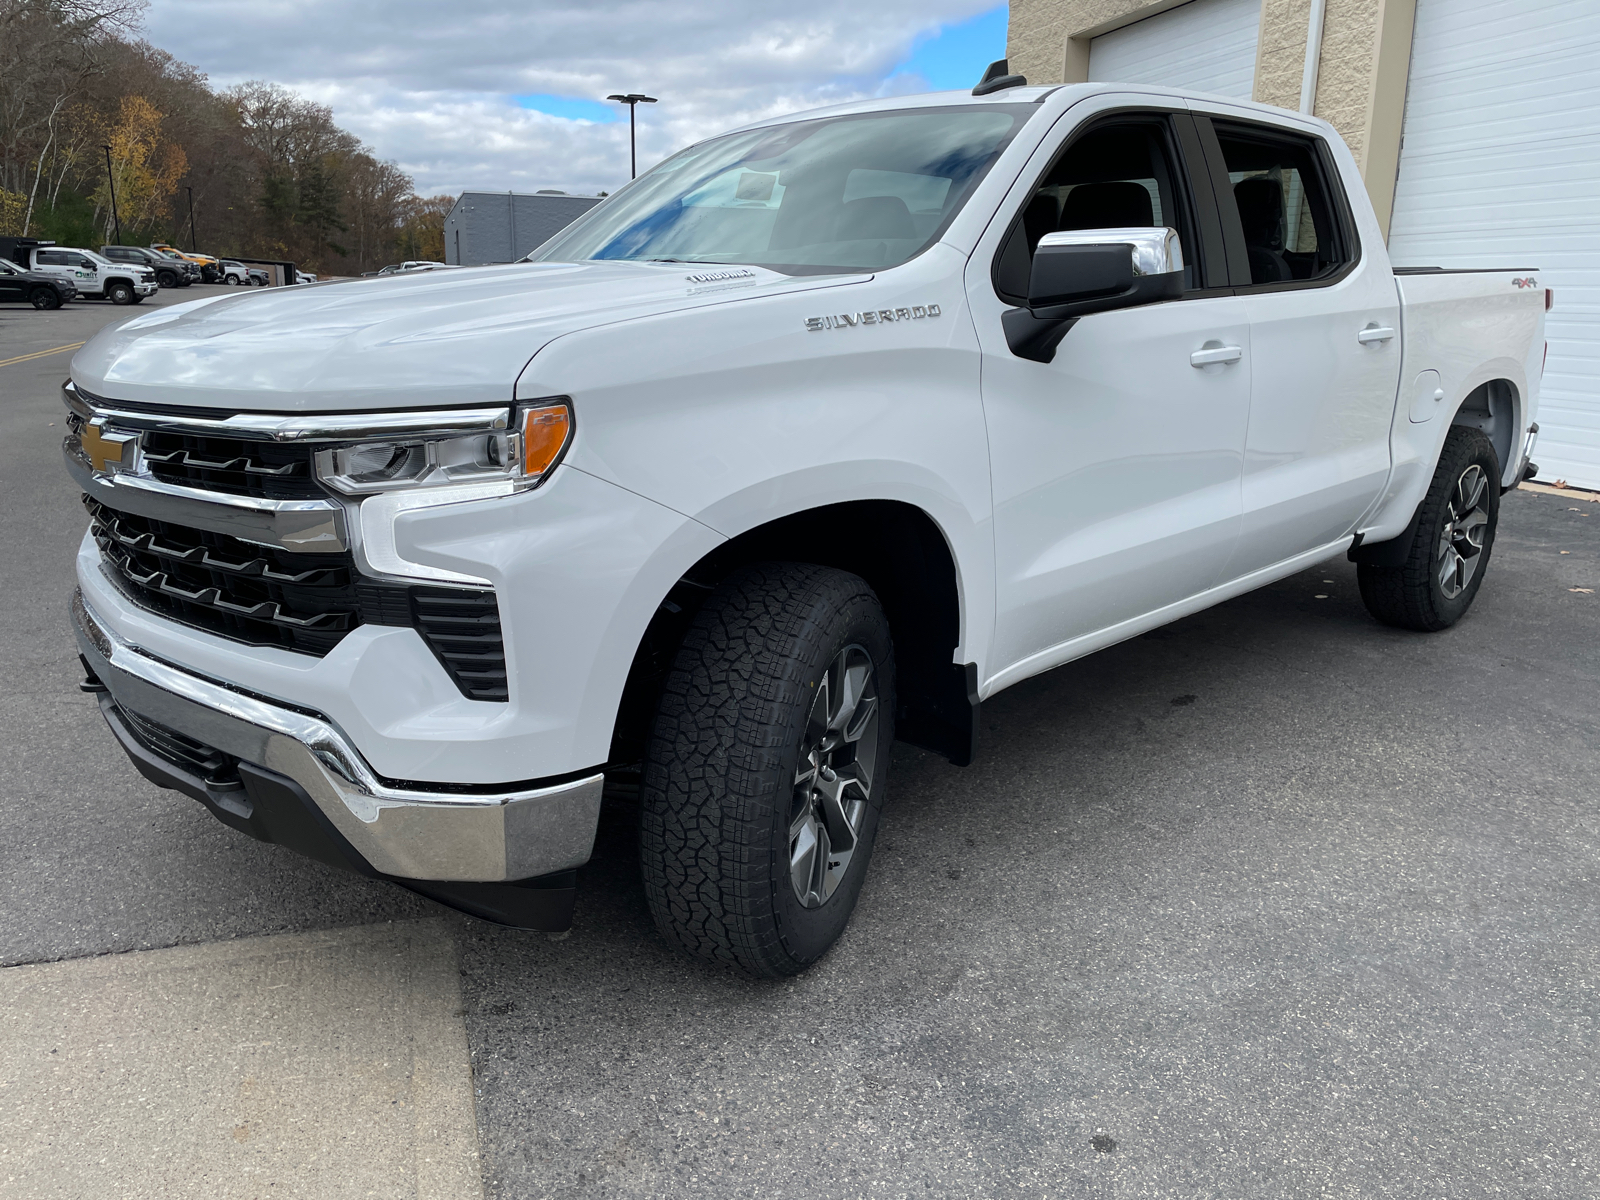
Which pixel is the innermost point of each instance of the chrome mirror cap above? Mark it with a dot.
(1156, 250)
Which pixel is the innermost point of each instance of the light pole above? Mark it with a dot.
(632, 100)
(112, 181)
(193, 247)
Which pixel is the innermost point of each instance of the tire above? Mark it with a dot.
(166, 279)
(45, 299)
(1450, 550)
(119, 293)
(735, 823)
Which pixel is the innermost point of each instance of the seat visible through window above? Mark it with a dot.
(1284, 213)
(1260, 201)
(1117, 176)
(1107, 206)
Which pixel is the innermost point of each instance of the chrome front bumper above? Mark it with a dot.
(406, 831)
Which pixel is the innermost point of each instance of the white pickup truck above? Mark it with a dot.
(811, 438)
(94, 275)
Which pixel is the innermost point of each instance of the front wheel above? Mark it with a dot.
(1450, 550)
(119, 293)
(766, 768)
(45, 299)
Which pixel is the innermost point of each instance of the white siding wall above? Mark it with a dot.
(1205, 45)
(1501, 167)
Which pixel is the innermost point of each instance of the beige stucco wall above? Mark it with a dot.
(1361, 78)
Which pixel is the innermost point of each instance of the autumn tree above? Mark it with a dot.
(269, 172)
(144, 170)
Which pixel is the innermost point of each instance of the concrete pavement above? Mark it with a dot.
(321, 1065)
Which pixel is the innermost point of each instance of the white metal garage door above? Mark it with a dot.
(1501, 167)
(1205, 45)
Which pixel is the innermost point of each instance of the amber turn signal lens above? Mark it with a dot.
(545, 431)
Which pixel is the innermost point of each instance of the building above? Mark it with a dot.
(1476, 124)
(496, 227)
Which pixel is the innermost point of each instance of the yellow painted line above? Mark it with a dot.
(6, 362)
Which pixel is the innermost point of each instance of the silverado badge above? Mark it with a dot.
(878, 316)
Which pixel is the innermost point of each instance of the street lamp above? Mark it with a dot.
(111, 179)
(193, 246)
(632, 100)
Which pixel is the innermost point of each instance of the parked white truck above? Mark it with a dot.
(811, 438)
(94, 275)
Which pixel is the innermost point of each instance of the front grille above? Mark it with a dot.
(255, 594)
(264, 596)
(237, 466)
(463, 629)
(219, 770)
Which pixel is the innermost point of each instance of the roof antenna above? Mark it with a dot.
(995, 79)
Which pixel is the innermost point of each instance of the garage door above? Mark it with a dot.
(1205, 46)
(1501, 167)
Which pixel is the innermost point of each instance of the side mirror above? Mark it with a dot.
(1082, 271)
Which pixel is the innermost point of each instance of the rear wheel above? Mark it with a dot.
(766, 769)
(1450, 550)
(119, 293)
(45, 298)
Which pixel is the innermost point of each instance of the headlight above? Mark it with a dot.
(520, 456)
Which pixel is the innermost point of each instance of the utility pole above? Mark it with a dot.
(193, 248)
(633, 100)
(111, 179)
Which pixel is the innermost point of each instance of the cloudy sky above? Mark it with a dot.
(510, 93)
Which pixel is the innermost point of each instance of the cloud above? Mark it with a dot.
(503, 94)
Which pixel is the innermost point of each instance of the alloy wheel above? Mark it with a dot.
(1460, 550)
(833, 781)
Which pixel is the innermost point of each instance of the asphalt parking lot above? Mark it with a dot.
(1274, 902)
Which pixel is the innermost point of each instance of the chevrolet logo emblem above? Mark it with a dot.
(100, 449)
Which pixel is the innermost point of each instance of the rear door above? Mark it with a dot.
(1324, 318)
(1115, 466)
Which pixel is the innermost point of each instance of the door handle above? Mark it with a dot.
(1216, 354)
(1373, 333)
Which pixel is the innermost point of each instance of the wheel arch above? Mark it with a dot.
(908, 560)
(1493, 407)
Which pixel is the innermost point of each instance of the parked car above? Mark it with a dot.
(821, 434)
(41, 290)
(258, 278)
(210, 267)
(191, 269)
(95, 277)
(304, 277)
(237, 272)
(170, 273)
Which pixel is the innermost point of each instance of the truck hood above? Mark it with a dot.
(428, 339)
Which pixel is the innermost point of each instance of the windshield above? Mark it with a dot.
(7, 269)
(856, 193)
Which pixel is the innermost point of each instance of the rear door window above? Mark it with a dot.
(1287, 215)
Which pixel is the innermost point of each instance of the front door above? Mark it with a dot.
(1116, 466)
